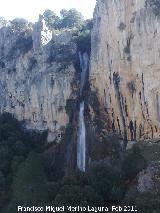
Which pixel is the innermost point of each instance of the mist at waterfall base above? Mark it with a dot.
(81, 141)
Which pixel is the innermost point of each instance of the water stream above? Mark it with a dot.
(81, 145)
(83, 58)
(81, 141)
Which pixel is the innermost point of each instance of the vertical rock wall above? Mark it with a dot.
(36, 76)
(125, 67)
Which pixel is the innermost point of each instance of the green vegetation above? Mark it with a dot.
(151, 152)
(107, 182)
(26, 178)
(29, 184)
(68, 19)
(133, 163)
(70, 107)
(22, 30)
(148, 202)
(22, 45)
(147, 153)
(21, 25)
(84, 41)
(71, 18)
(51, 19)
(61, 54)
(76, 195)
(79, 189)
(108, 146)
(15, 145)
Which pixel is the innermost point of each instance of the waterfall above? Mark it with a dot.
(81, 142)
(81, 145)
(83, 58)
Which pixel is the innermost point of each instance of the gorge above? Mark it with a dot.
(81, 143)
(36, 82)
(94, 92)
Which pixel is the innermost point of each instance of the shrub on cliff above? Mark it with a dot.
(133, 163)
(63, 54)
(21, 25)
(22, 30)
(70, 107)
(23, 44)
(51, 19)
(84, 42)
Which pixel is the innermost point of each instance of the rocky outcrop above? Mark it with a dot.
(125, 67)
(149, 179)
(41, 34)
(36, 76)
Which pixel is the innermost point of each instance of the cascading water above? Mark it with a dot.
(83, 58)
(81, 145)
(81, 142)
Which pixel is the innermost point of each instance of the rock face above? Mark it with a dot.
(36, 76)
(148, 179)
(125, 67)
(41, 35)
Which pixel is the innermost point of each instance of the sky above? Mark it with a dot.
(30, 9)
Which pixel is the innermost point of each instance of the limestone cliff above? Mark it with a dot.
(125, 67)
(36, 75)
